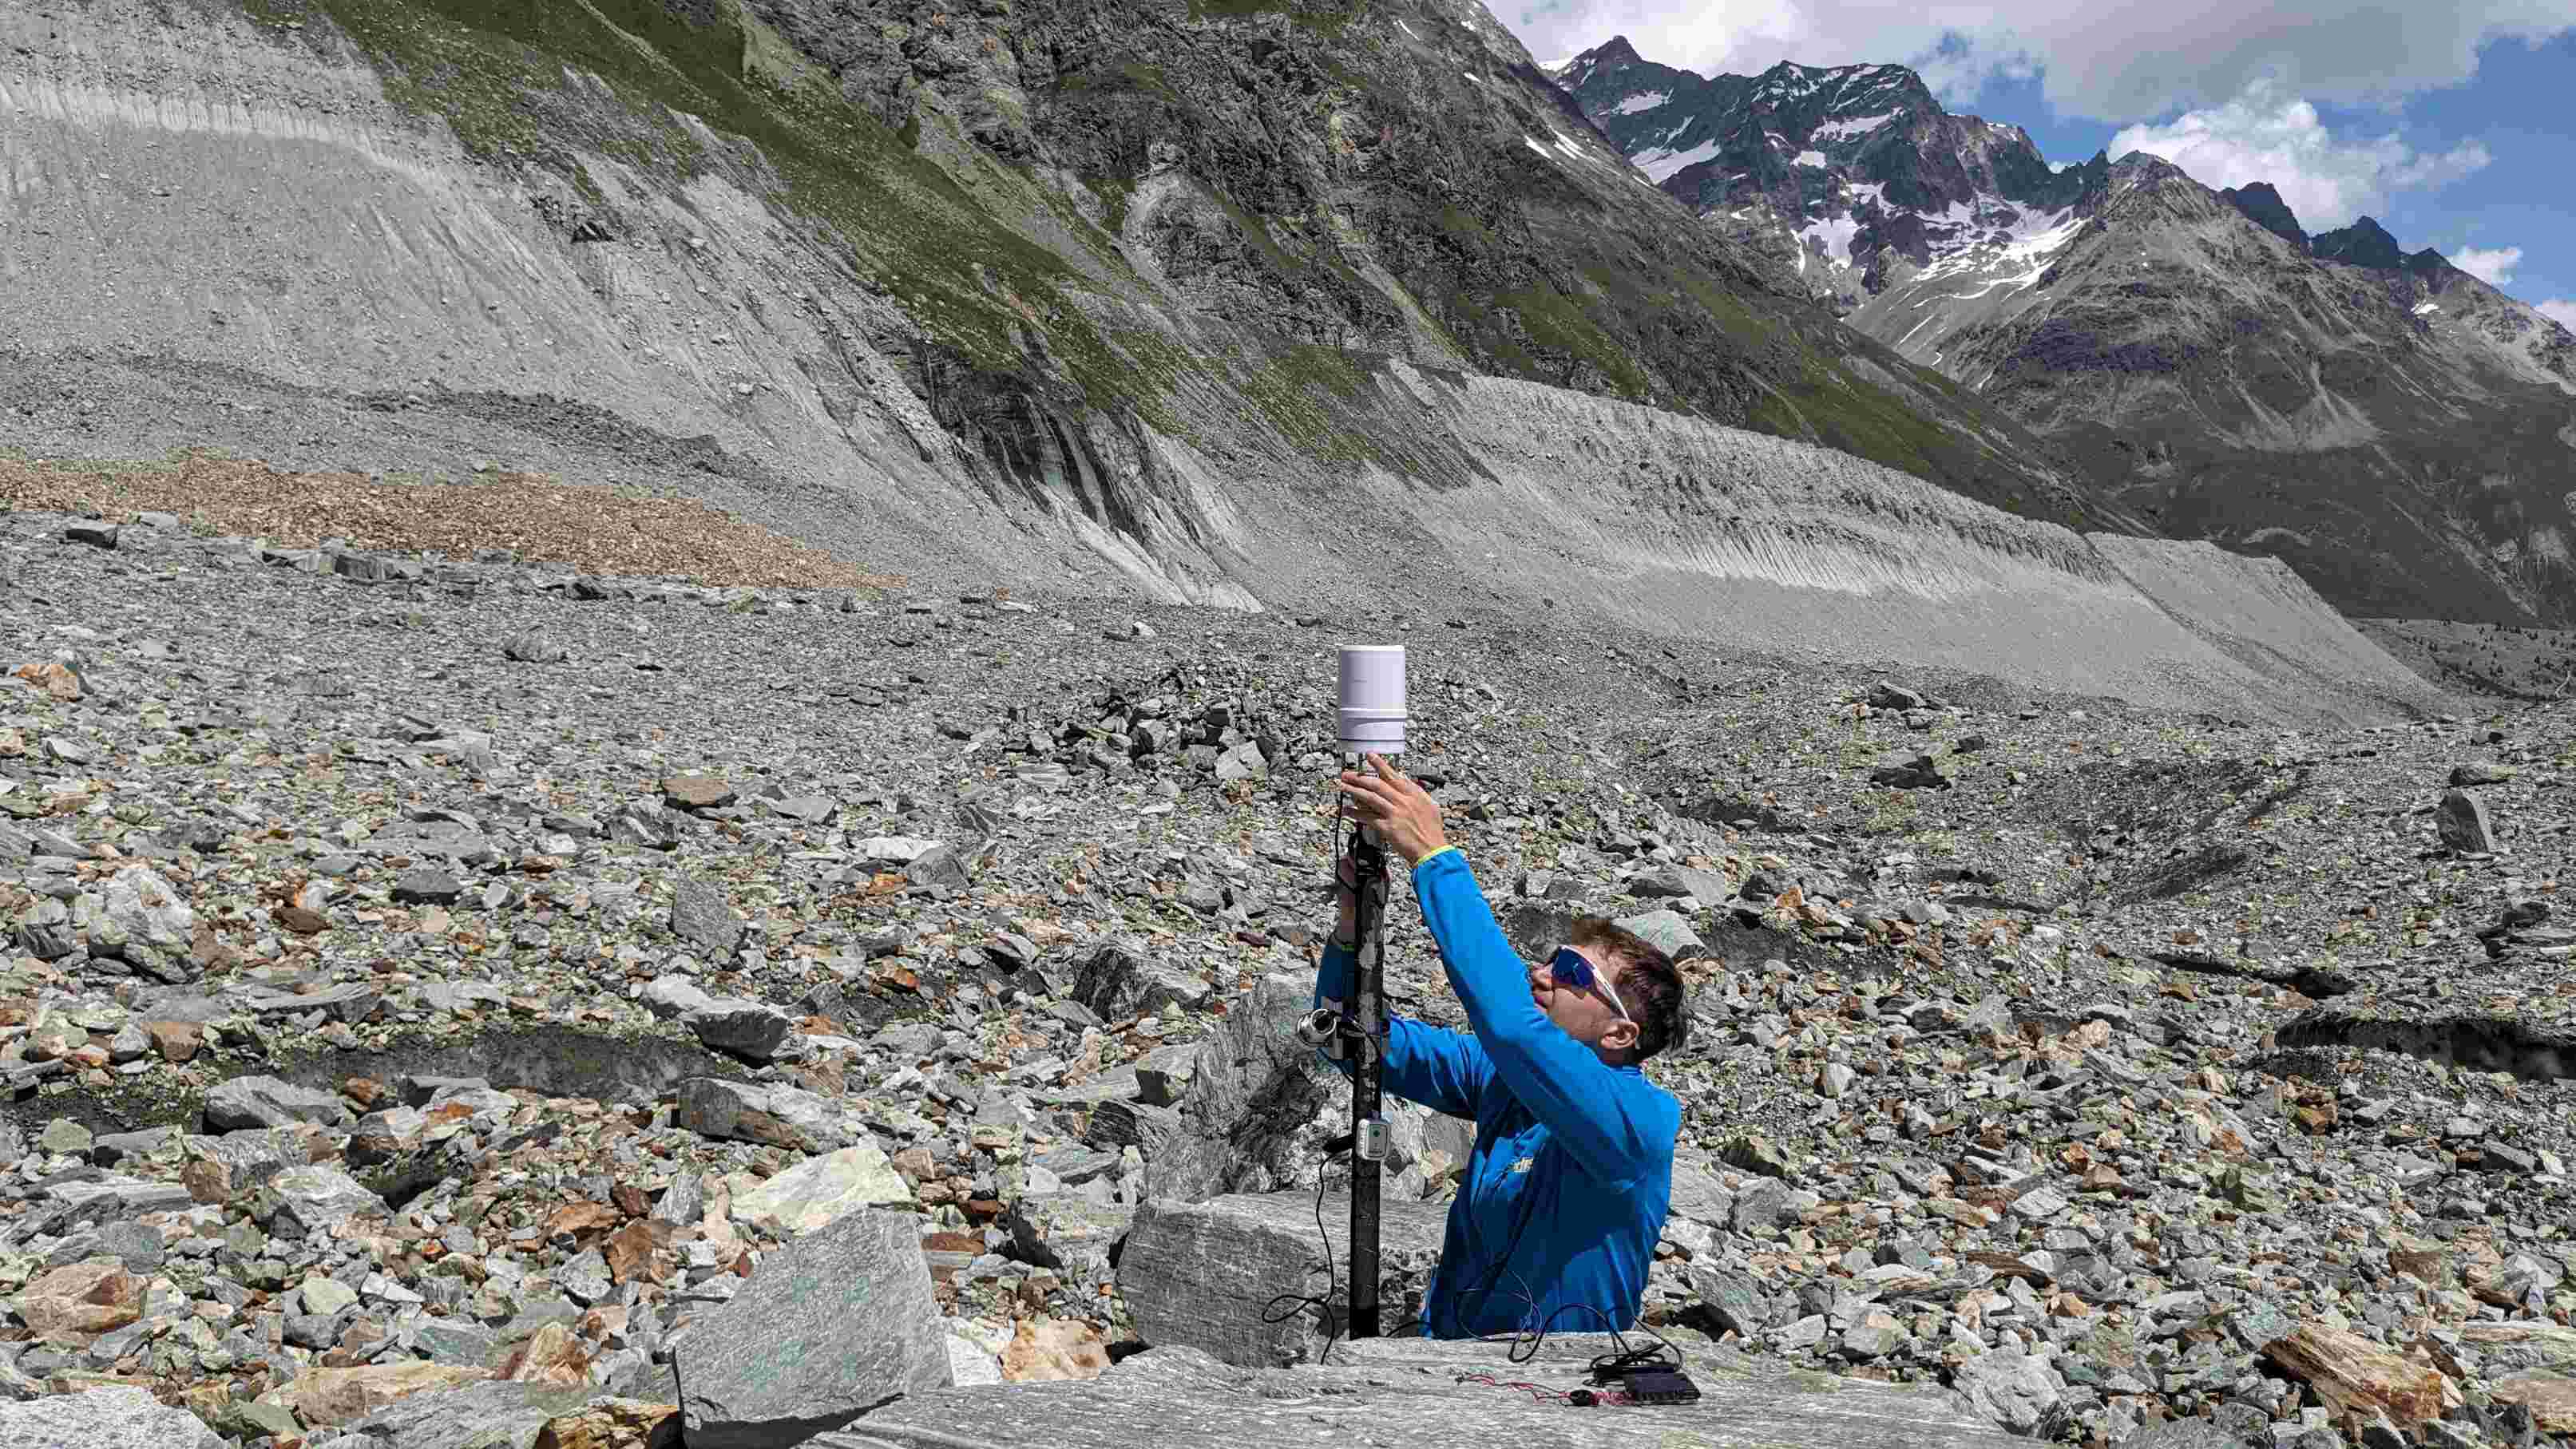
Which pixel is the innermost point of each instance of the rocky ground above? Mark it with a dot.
(440, 981)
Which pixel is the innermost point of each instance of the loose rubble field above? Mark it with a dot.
(438, 990)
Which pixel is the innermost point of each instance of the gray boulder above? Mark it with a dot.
(313, 1200)
(1197, 1275)
(2464, 823)
(2011, 1388)
(1067, 1232)
(753, 1030)
(1733, 1299)
(149, 910)
(750, 1112)
(271, 1102)
(701, 916)
(833, 1325)
(1669, 932)
(1706, 886)
(110, 1418)
(1698, 1196)
(1254, 1092)
(493, 1415)
(1117, 982)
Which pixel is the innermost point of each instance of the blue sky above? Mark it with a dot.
(2517, 109)
(2454, 124)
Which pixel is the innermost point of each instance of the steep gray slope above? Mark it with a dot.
(219, 233)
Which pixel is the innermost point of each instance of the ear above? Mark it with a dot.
(1620, 1035)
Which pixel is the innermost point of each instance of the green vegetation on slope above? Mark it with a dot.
(494, 71)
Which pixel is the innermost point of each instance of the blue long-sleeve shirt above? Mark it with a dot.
(1572, 1171)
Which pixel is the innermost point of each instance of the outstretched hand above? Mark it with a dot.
(1402, 813)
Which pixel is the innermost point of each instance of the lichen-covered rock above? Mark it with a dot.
(831, 1326)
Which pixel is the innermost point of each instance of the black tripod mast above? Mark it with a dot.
(1366, 1034)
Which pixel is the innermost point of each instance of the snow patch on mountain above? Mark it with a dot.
(1838, 130)
(2032, 239)
(1833, 236)
(1564, 149)
(1660, 163)
(1646, 102)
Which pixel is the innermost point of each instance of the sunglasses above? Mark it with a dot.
(1571, 969)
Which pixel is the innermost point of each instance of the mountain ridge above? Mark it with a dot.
(2381, 419)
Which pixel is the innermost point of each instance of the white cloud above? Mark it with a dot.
(2109, 61)
(2495, 268)
(2562, 311)
(2328, 180)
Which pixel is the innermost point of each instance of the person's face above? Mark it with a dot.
(1585, 1014)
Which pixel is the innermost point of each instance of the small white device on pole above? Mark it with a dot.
(1372, 700)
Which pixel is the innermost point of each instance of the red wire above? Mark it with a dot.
(1544, 1394)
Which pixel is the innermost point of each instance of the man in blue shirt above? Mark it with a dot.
(1564, 1197)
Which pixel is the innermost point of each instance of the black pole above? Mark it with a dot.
(1368, 1129)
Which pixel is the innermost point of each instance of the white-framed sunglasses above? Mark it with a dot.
(1573, 968)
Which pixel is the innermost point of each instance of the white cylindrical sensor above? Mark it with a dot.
(1373, 715)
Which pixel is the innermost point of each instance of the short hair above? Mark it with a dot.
(1650, 985)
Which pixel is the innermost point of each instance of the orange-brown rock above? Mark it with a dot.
(1047, 1349)
(207, 1180)
(614, 1424)
(301, 921)
(605, 1325)
(53, 677)
(551, 1355)
(582, 1220)
(2352, 1374)
(177, 1041)
(78, 1301)
(2424, 1262)
(331, 1396)
(2551, 1398)
(639, 1249)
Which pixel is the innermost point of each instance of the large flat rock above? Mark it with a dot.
(1204, 1275)
(1404, 1393)
(829, 1327)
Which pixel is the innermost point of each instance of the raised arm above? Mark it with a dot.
(1585, 1102)
(1564, 1083)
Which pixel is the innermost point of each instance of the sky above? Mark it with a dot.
(2452, 124)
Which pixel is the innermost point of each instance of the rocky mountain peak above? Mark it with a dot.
(2264, 207)
(2365, 243)
(1615, 51)
(2141, 169)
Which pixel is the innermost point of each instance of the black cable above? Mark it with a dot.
(1620, 1359)
(1323, 1305)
